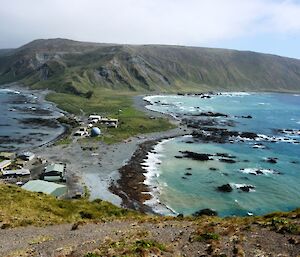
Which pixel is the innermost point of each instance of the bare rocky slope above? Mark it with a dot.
(78, 67)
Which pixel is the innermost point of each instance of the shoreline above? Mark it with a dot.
(95, 169)
(130, 186)
(113, 173)
(40, 96)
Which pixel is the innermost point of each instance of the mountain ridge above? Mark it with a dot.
(78, 67)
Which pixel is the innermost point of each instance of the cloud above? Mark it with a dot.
(185, 22)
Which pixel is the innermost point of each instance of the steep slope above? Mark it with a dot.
(78, 67)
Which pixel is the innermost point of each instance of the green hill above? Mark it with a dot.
(79, 67)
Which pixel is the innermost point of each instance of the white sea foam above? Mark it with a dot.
(233, 94)
(151, 165)
(239, 186)
(152, 98)
(7, 90)
(258, 171)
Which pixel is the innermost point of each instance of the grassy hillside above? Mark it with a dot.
(19, 207)
(80, 68)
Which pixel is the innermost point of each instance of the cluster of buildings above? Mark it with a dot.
(14, 167)
(92, 130)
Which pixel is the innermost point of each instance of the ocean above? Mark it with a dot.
(26, 121)
(262, 171)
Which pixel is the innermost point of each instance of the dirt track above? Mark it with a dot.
(60, 240)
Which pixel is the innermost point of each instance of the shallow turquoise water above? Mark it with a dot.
(198, 191)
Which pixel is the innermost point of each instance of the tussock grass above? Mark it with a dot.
(19, 207)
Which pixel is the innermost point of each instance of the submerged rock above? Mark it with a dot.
(207, 212)
(227, 160)
(196, 156)
(246, 188)
(271, 160)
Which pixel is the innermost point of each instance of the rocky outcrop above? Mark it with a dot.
(206, 212)
(225, 188)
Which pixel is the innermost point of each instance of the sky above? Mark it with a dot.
(269, 26)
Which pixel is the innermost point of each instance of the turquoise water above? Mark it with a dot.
(276, 189)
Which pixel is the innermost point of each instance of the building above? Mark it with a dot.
(54, 172)
(27, 156)
(84, 129)
(4, 164)
(95, 118)
(45, 187)
(19, 172)
(7, 155)
(79, 133)
(110, 122)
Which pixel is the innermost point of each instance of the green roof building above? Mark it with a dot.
(46, 187)
(54, 172)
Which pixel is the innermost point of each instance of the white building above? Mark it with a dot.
(4, 164)
(95, 117)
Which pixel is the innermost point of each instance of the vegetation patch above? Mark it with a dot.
(112, 104)
(130, 248)
(19, 207)
(207, 236)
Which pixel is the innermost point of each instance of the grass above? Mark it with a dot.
(132, 122)
(64, 141)
(207, 236)
(130, 246)
(19, 207)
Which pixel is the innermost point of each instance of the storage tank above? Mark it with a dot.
(95, 132)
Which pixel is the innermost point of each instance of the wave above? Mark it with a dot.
(258, 171)
(233, 94)
(243, 186)
(9, 91)
(151, 165)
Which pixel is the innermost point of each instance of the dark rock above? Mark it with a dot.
(207, 212)
(184, 177)
(271, 160)
(244, 117)
(178, 157)
(249, 135)
(180, 215)
(213, 169)
(196, 156)
(294, 241)
(188, 168)
(225, 188)
(225, 155)
(246, 188)
(227, 160)
(188, 174)
(211, 114)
